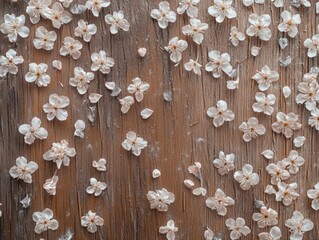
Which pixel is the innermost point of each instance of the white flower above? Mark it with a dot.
(160, 199)
(117, 21)
(289, 23)
(313, 45)
(14, 26)
(299, 141)
(54, 108)
(236, 36)
(71, 47)
(58, 15)
(23, 169)
(8, 63)
(163, 15)
(101, 62)
(36, 8)
(286, 124)
(277, 172)
(255, 51)
(169, 230)
(85, 30)
(293, 161)
(37, 74)
(222, 9)
(79, 126)
(252, 129)
(298, 225)
(266, 217)
(66, 3)
(218, 63)
(194, 66)
(100, 165)
(195, 169)
(247, 3)
(286, 193)
(26, 201)
(60, 153)
(309, 94)
(134, 143)
(219, 202)
(220, 113)
(81, 80)
(44, 221)
(259, 26)
(175, 48)
(96, 6)
(224, 163)
(96, 187)
(246, 177)
(265, 77)
(274, 234)
(138, 88)
(156, 173)
(189, 6)
(142, 52)
(50, 185)
(237, 228)
(314, 119)
(209, 234)
(126, 103)
(270, 189)
(195, 30)
(91, 220)
(264, 103)
(33, 131)
(233, 84)
(314, 195)
(44, 39)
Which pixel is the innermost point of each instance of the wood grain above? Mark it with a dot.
(174, 131)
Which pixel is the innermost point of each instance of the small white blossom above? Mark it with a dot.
(44, 220)
(95, 6)
(91, 220)
(246, 177)
(265, 78)
(286, 124)
(117, 21)
(163, 15)
(44, 39)
(126, 103)
(50, 185)
(220, 113)
(59, 153)
(37, 74)
(293, 162)
(299, 141)
(218, 63)
(81, 80)
(224, 163)
(194, 66)
(222, 9)
(79, 126)
(175, 48)
(274, 234)
(101, 62)
(71, 47)
(188, 6)
(96, 187)
(23, 169)
(237, 227)
(314, 195)
(255, 51)
(314, 119)
(313, 45)
(264, 103)
(252, 129)
(286, 193)
(195, 30)
(134, 143)
(33, 131)
(219, 202)
(236, 36)
(138, 88)
(270, 189)
(277, 172)
(259, 26)
(58, 15)
(156, 173)
(309, 94)
(160, 199)
(54, 108)
(169, 230)
(290, 23)
(142, 52)
(100, 165)
(9, 62)
(14, 26)
(36, 8)
(298, 225)
(85, 30)
(266, 217)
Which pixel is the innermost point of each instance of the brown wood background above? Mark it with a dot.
(173, 131)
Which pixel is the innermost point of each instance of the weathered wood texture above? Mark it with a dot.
(173, 132)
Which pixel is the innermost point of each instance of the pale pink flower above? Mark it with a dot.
(265, 78)
(298, 225)
(54, 108)
(138, 88)
(246, 177)
(266, 217)
(163, 15)
(194, 66)
(96, 187)
(252, 129)
(218, 63)
(293, 162)
(237, 227)
(58, 15)
(134, 143)
(259, 26)
(195, 30)
(36, 8)
(96, 6)
(23, 169)
(290, 23)
(81, 80)
(91, 220)
(175, 48)
(188, 6)
(71, 47)
(33, 131)
(9, 62)
(222, 9)
(264, 103)
(313, 45)
(50, 185)
(314, 119)
(274, 234)
(44, 220)
(44, 39)
(224, 163)
(286, 124)
(101, 62)
(309, 94)
(14, 26)
(169, 230)
(37, 74)
(236, 36)
(126, 103)
(286, 193)
(99, 165)
(160, 199)
(277, 172)
(314, 195)
(85, 30)
(117, 21)
(59, 153)
(195, 169)
(219, 202)
(220, 113)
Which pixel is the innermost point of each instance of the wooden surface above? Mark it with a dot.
(174, 131)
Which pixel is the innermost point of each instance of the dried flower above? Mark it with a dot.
(314, 195)
(298, 225)
(85, 30)
(259, 26)
(277, 172)
(138, 88)
(96, 6)
(36, 8)
(220, 113)
(134, 143)
(54, 108)
(309, 94)
(160, 199)
(266, 217)
(289, 23)
(33, 131)
(58, 15)
(14, 26)
(91, 220)
(163, 15)
(117, 21)
(265, 77)
(81, 80)
(50, 185)
(96, 187)
(224, 163)
(313, 45)
(44, 39)
(237, 228)
(100, 165)
(169, 230)
(101, 62)
(218, 63)
(314, 119)
(222, 9)
(8, 63)
(44, 221)
(71, 47)
(194, 66)
(293, 162)
(274, 234)
(252, 129)
(37, 74)
(219, 202)
(195, 30)
(246, 177)
(175, 48)
(264, 103)
(236, 36)
(79, 126)
(188, 6)
(23, 169)
(286, 193)
(286, 124)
